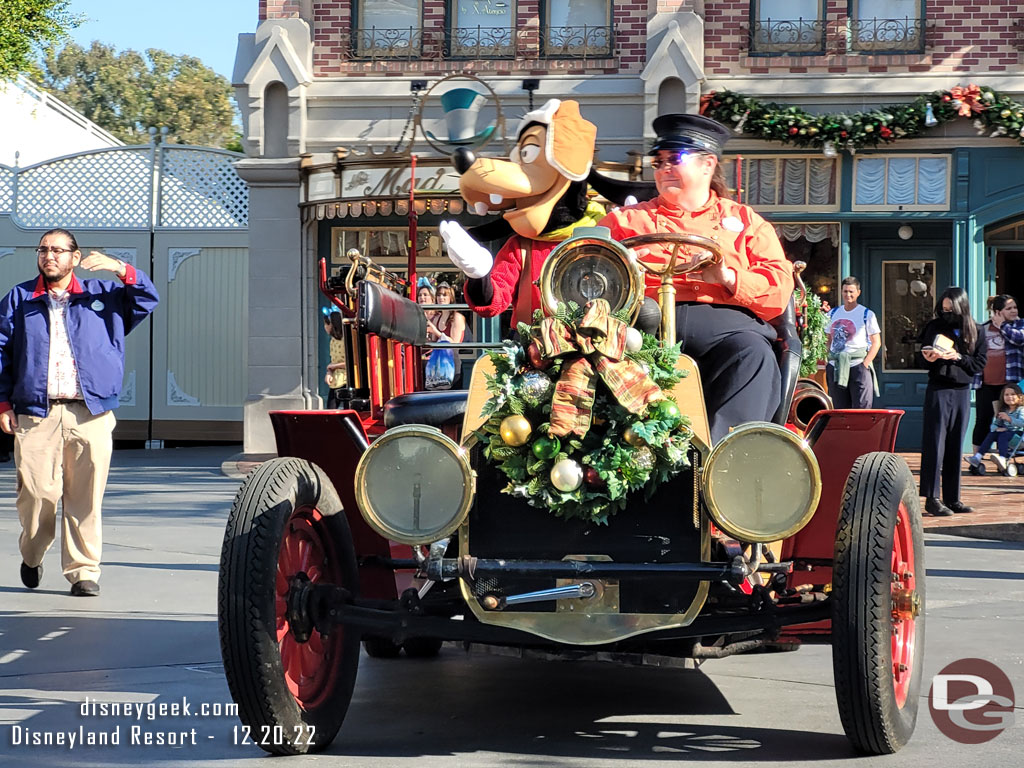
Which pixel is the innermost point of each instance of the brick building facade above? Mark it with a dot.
(327, 102)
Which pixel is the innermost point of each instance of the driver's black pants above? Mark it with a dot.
(738, 369)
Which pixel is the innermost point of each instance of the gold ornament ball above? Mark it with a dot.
(567, 475)
(631, 437)
(515, 430)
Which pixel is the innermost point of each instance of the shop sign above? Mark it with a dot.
(394, 182)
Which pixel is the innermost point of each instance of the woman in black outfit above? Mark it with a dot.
(947, 399)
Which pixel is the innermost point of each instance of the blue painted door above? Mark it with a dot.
(900, 284)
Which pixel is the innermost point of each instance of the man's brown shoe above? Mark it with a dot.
(30, 576)
(85, 589)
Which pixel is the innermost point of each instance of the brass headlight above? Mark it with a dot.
(761, 483)
(591, 266)
(414, 485)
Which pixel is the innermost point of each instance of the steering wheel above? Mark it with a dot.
(677, 240)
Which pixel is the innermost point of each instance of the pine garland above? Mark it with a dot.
(601, 449)
(993, 113)
(814, 336)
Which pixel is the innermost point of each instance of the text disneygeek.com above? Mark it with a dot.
(144, 724)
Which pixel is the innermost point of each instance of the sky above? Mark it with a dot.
(206, 29)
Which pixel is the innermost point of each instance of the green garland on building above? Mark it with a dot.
(994, 114)
(814, 337)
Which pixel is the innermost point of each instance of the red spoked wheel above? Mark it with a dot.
(878, 605)
(906, 605)
(306, 555)
(286, 532)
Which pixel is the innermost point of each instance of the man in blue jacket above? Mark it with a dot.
(61, 366)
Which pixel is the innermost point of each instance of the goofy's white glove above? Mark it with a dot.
(465, 252)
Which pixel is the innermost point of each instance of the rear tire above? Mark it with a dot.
(286, 526)
(381, 648)
(878, 605)
(422, 647)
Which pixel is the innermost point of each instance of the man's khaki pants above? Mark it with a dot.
(65, 455)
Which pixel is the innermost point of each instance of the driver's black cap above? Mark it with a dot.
(693, 132)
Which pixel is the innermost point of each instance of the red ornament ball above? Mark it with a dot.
(533, 354)
(843, 134)
(793, 130)
(592, 478)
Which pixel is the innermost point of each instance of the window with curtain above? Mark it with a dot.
(881, 26)
(902, 182)
(482, 28)
(387, 28)
(809, 183)
(575, 28)
(787, 26)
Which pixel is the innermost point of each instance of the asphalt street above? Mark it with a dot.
(110, 664)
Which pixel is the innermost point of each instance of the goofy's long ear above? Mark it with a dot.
(498, 229)
(617, 190)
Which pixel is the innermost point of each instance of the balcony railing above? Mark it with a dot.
(904, 35)
(410, 43)
(577, 42)
(781, 37)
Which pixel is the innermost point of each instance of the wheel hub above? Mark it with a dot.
(300, 622)
(906, 604)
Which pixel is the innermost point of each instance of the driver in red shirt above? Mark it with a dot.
(721, 311)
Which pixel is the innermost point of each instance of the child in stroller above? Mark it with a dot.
(1005, 433)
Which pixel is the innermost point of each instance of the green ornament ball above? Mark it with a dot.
(546, 447)
(664, 410)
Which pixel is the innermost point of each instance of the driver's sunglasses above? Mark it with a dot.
(674, 159)
(43, 250)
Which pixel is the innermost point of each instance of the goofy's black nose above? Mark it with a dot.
(462, 159)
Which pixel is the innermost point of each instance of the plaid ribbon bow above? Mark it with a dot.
(600, 343)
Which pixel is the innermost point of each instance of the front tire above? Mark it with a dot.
(878, 605)
(286, 528)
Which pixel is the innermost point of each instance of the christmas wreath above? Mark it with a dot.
(580, 414)
(993, 113)
(814, 336)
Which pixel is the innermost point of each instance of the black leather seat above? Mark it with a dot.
(435, 409)
(390, 316)
(788, 351)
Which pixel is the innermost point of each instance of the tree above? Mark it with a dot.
(25, 24)
(128, 92)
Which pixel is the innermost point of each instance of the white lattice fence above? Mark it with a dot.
(6, 189)
(106, 189)
(199, 188)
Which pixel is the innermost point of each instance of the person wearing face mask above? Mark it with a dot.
(954, 352)
(722, 312)
(1004, 337)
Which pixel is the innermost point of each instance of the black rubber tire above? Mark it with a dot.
(422, 647)
(862, 619)
(381, 647)
(976, 470)
(247, 607)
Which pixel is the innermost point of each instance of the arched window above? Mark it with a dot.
(275, 121)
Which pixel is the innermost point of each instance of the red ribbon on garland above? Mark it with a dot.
(600, 341)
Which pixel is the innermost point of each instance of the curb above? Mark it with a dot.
(997, 531)
(241, 464)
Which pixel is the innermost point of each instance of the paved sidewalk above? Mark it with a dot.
(998, 503)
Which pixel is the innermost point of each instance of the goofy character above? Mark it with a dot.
(541, 192)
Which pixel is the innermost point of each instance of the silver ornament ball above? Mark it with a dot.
(634, 340)
(567, 475)
(644, 458)
(535, 388)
